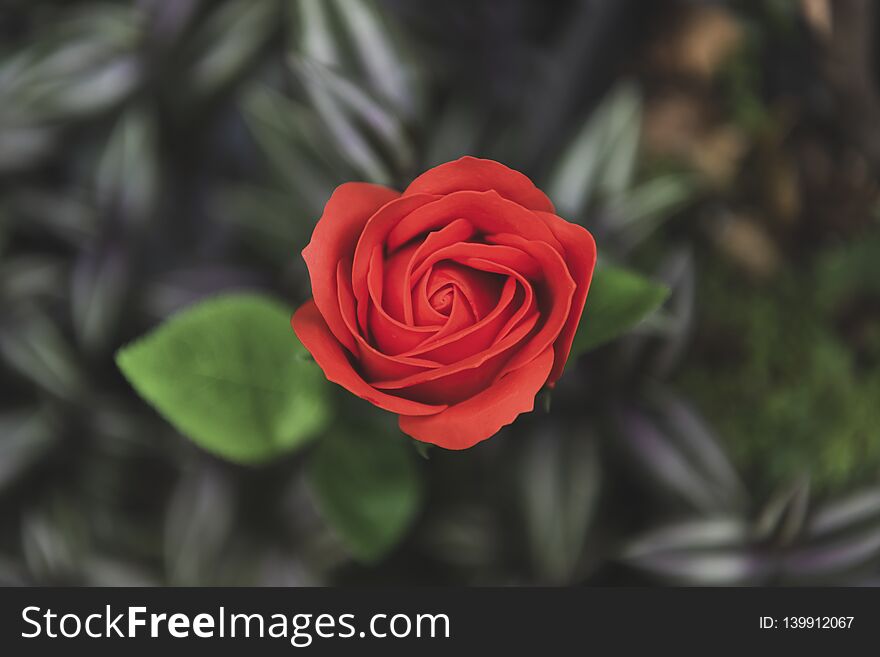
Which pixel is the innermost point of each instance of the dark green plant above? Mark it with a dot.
(158, 154)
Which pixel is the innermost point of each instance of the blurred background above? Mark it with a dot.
(154, 152)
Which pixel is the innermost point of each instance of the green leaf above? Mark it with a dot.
(653, 200)
(387, 64)
(230, 374)
(316, 38)
(356, 38)
(228, 41)
(357, 122)
(601, 158)
(559, 483)
(127, 175)
(367, 487)
(618, 300)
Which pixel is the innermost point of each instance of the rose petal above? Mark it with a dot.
(528, 305)
(386, 281)
(390, 335)
(472, 363)
(460, 316)
(334, 238)
(555, 299)
(463, 252)
(480, 289)
(373, 363)
(465, 424)
(313, 332)
(475, 174)
(580, 256)
(478, 337)
(457, 231)
(424, 314)
(373, 235)
(487, 211)
(459, 384)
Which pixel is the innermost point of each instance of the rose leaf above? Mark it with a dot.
(367, 487)
(230, 374)
(618, 300)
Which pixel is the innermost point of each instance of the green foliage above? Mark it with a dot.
(367, 487)
(156, 153)
(638, 211)
(230, 374)
(618, 300)
(790, 372)
(602, 156)
(356, 35)
(560, 490)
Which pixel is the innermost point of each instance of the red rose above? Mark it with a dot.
(451, 304)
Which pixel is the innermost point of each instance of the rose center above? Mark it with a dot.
(441, 300)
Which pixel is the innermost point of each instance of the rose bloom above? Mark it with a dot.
(451, 304)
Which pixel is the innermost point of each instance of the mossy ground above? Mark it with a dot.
(787, 370)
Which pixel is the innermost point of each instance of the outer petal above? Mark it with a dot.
(333, 239)
(313, 332)
(472, 364)
(467, 423)
(488, 212)
(580, 256)
(475, 174)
